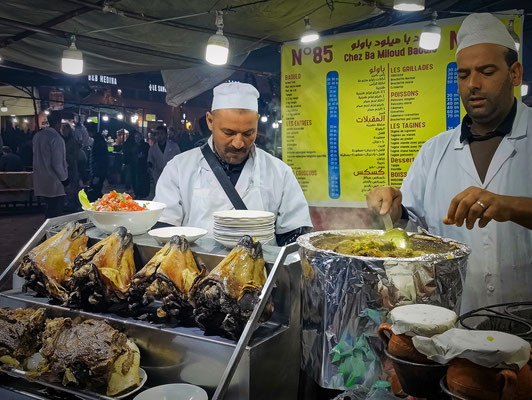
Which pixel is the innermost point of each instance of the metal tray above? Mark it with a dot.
(266, 367)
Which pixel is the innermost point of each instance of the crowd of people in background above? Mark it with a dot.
(66, 157)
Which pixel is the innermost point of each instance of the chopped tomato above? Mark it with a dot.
(114, 201)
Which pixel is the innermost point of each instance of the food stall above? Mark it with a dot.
(266, 367)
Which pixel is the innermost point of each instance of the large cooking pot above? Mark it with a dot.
(346, 297)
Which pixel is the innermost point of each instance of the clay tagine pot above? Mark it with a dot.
(475, 382)
(401, 346)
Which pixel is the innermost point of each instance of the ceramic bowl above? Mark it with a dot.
(136, 222)
(174, 391)
(163, 235)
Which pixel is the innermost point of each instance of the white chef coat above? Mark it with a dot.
(192, 193)
(500, 264)
(158, 159)
(49, 163)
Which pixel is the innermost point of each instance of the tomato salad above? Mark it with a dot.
(114, 201)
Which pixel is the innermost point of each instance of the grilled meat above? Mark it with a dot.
(102, 274)
(20, 333)
(49, 265)
(225, 298)
(168, 276)
(91, 354)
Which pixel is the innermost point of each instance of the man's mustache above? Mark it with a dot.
(235, 150)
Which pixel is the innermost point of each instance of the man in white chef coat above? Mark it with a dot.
(479, 171)
(162, 151)
(192, 192)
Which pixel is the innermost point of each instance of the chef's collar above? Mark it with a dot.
(504, 128)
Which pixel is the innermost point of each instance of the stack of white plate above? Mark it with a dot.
(231, 225)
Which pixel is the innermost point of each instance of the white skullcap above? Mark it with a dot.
(235, 95)
(483, 28)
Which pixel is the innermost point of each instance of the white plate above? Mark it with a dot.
(136, 222)
(173, 391)
(163, 235)
(143, 378)
(239, 214)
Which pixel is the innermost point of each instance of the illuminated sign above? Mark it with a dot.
(111, 80)
(156, 88)
(151, 117)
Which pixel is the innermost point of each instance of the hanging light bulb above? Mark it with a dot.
(513, 34)
(105, 118)
(72, 62)
(218, 46)
(46, 112)
(264, 118)
(310, 35)
(431, 35)
(4, 107)
(120, 116)
(275, 125)
(409, 5)
(524, 89)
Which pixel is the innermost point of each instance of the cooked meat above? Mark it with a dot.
(225, 298)
(169, 276)
(20, 333)
(49, 265)
(102, 274)
(91, 354)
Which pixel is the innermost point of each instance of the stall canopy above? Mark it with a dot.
(159, 34)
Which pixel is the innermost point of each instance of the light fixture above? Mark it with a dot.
(431, 35)
(119, 92)
(25, 120)
(15, 120)
(105, 118)
(89, 120)
(310, 35)
(409, 5)
(524, 89)
(280, 121)
(72, 62)
(4, 107)
(218, 46)
(46, 112)
(264, 118)
(184, 116)
(134, 118)
(120, 116)
(513, 34)
(275, 125)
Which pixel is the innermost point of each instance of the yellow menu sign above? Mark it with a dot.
(356, 108)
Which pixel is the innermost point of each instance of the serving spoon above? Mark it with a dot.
(399, 237)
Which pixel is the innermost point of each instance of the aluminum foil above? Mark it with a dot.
(345, 298)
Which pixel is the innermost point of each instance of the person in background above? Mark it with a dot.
(9, 161)
(192, 192)
(479, 171)
(161, 152)
(72, 148)
(141, 183)
(99, 162)
(82, 135)
(129, 151)
(50, 173)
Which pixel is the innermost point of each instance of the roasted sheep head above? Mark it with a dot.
(91, 354)
(168, 276)
(225, 298)
(20, 334)
(49, 265)
(102, 274)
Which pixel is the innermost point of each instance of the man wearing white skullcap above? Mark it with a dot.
(479, 171)
(229, 171)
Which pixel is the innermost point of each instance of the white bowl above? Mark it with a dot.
(163, 235)
(136, 222)
(174, 391)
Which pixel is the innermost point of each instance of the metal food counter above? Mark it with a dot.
(269, 364)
